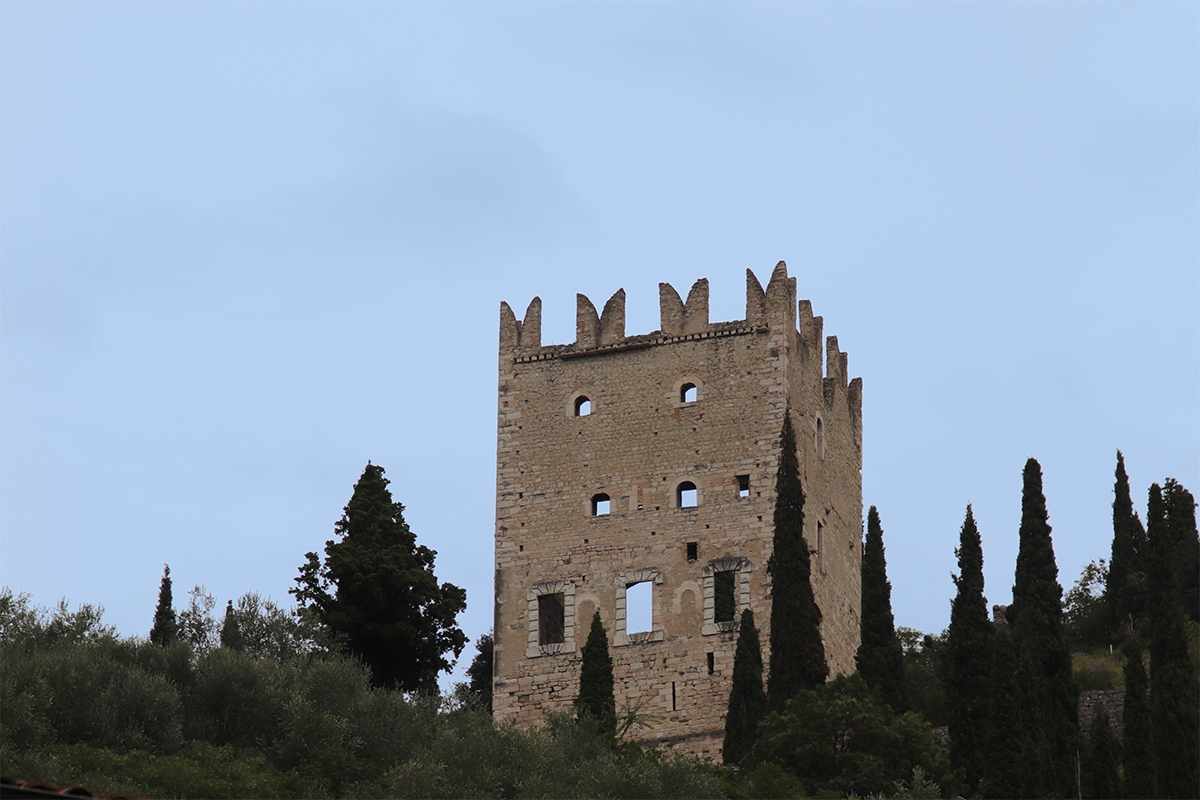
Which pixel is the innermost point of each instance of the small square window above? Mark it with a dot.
(691, 551)
(688, 496)
(743, 482)
(600, 505)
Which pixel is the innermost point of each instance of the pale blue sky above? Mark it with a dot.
(246, 247)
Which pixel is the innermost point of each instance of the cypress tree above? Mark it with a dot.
(1007, 772)
(1181, 530)
(1125, 567)
(165, 630)
(797, 652)
(747, 700)
(1102, 759)
(231, 631)
(880, 659)
(596, 699)
(1140, 774)
(968, 647)
(1036, 619)
(1174, 706)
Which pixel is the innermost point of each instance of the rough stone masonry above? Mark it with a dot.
(635, 475)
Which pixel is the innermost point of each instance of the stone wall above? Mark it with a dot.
(1114, 703)
(641, 440)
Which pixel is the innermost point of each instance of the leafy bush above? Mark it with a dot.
(837, 738)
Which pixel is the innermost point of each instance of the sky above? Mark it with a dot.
(244, 248)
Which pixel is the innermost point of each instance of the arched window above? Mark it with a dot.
(820, 439)
(583, 406)
(600, 505)
(687, 495)
(687, 393)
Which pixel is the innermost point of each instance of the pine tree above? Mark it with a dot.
(880, 659)
(1102, 759)
(479, 674)
(1125, 568)
(797, 652)
(1140, 774)
(1036, 619)
(386, 605)
(968, 648)
(747, 700)
(231, 630)
(1181, 531)
(1174, 705)
(166, 629)
(596, 699)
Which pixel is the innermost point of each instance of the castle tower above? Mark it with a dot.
(636, 475)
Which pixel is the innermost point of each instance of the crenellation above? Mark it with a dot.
(695, 310)
(756, 301)
(587, 323)
(612, 320)
(644, 437)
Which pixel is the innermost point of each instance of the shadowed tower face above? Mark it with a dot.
(636, 476)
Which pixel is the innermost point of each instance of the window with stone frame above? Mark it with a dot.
(724, 596)
(726, 593)
(551, 619)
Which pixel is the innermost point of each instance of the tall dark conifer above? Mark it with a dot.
(1181, 530)
(1174, 707)
(596, 699)
(1104, 783)
(1007, 771)
(1125, 569)
(1139, 774)
(797, 652)
(1036, 619)
(231, 629)
(165, 630)
(968, 650)
(880, 659)
(747, 700)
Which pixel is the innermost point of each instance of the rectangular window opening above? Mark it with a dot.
(743, 485)
(551, 619)
(639, 607)
(691, 551)
(673, 708)
(724, 600)
(711, 664)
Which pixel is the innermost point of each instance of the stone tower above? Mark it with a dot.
(636, 475)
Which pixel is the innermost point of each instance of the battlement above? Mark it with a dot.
(773, 308)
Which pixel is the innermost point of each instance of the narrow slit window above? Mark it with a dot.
(743, 482)
(639, 607)
(711, 664)
(691, 551)
(601, 505)
(820, 439)
(820, 547)
(724, 599)
(583, 406)
(687, 393)
(688, 496)
(551, 618)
